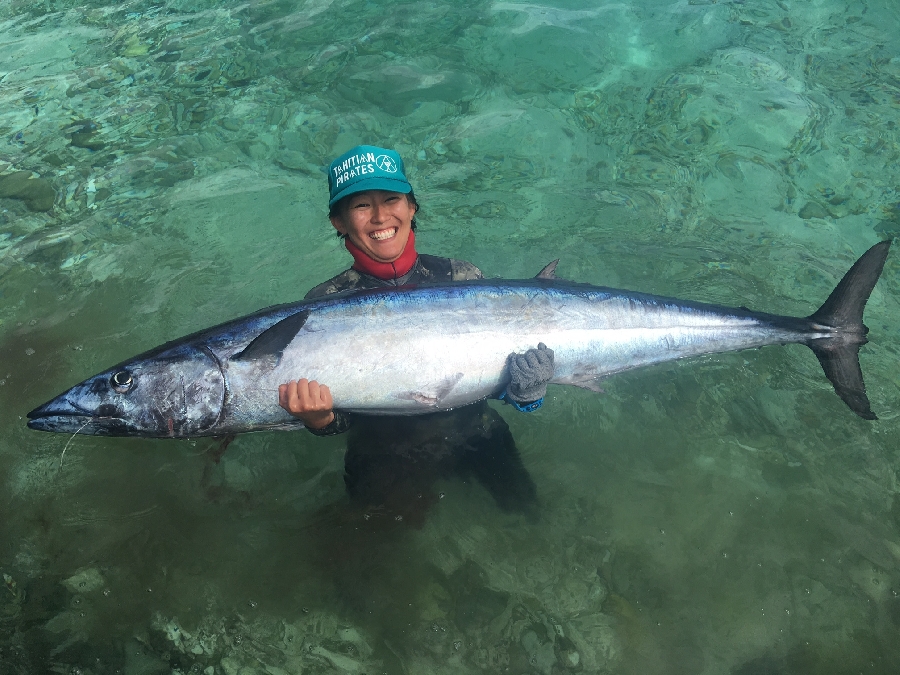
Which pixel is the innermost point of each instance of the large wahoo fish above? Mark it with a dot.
(421, 349)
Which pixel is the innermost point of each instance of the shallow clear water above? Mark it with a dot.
(726, 515)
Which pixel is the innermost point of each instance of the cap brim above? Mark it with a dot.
(375, 183)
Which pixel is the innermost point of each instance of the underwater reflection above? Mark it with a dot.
(393, 463)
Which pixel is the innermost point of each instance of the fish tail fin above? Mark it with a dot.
(843, 311)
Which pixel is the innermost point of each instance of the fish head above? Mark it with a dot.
(172, 392)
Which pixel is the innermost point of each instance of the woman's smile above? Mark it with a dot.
(381, 235)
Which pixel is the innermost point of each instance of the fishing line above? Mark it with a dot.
(67, 445)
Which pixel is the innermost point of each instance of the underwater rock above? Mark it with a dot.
(11, 604)
(540, 652)
(254, 149)
(295, 161)
(37, 193)
(399, 89)
(813, 210)
(476, 605)
(169, 57)
(132, 46)
(54, 160)
(86, 139)
(84, 580)
(82, 136)
(232, 123)
(189, 147)
(164, 175)
(140, 662)
(567, 654)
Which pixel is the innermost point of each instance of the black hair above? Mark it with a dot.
(335, 208)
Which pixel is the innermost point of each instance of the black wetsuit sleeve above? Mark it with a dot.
(340, 424)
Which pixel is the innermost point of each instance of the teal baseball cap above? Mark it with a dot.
(366, 167)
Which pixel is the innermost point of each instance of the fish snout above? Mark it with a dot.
(63, 415)
(60, 406)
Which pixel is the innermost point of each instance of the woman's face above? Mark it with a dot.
(377, 221)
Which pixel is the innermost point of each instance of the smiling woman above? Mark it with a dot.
(372, 206)
(377, 222)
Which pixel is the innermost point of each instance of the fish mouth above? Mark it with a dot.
(66, 424)
(61, 415)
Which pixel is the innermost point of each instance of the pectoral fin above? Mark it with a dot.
(434, 397)
(271, 343)
(590, 385)
(585, 378)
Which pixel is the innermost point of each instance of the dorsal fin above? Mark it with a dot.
(549, 271)
(273, 341)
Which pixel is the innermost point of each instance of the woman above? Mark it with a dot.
(373, 208)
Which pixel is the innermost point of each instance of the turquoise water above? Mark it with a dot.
(725, 515)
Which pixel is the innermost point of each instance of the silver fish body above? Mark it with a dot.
(421, 349)
(425, 349)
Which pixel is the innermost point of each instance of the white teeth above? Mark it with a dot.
(383, 234)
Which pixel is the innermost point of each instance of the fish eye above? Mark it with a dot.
(121, 381)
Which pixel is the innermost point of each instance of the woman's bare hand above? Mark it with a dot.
(309, 401)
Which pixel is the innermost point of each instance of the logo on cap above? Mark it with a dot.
(386, 164)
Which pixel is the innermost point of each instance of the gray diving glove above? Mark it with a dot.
(529, 374)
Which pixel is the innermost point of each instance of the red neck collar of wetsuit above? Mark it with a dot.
(392, 270)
